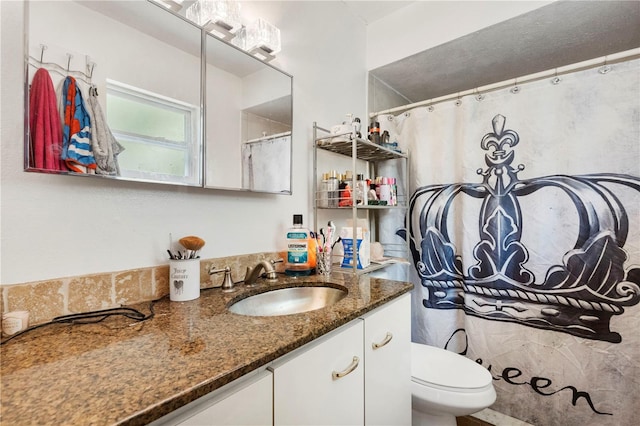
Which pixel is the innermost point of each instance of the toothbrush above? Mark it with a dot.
(331, 232)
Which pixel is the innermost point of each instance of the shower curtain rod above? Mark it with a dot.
(579, 66)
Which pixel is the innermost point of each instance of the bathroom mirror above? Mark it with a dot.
(145, 65)
(248, 121)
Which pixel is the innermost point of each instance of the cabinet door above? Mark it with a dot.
(387, 346)
(307, 391)
(244, 402)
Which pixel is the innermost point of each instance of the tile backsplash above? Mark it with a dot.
(48, 299)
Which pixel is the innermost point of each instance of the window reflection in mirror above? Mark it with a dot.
(248, 122)
(160, 135)
(144, 65)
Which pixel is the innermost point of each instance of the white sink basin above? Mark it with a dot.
(287, 301)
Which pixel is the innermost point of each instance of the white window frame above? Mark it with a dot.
(192, 145)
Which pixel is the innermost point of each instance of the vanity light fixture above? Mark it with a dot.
(219, 17)
(260, 39)
(174, 5)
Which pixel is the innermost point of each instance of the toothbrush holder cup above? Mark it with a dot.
(184, 279)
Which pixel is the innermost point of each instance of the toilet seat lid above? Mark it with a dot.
(446, 369)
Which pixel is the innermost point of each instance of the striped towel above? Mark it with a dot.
(76, 133)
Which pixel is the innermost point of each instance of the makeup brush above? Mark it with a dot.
(193, 244)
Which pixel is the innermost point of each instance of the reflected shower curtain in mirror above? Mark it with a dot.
(262, 164)
(524, 229)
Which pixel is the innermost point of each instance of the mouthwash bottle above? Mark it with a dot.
(298, 249)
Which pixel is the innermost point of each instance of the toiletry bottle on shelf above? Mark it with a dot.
(362, 190)
(323, 191)
(372, 197)
(394, 191)
(385, 191)
(298, 249)
(334, 189)
(345, 190)
(374, 132)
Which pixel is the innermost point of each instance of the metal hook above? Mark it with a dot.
(479, 96)
(555, 80)
(69, 56)
(42, 49)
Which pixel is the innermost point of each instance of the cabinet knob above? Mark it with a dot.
(386, 340)
(338, 374)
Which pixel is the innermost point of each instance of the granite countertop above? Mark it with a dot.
(124, 372)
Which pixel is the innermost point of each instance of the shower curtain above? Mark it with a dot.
(524, 230)
(262, 164)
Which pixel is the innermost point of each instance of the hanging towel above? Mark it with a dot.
(77, 151)
(44, 124)
(105, 146)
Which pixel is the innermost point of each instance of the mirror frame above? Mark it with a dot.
(202, 119)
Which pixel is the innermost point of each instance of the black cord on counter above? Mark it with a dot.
(91, 317)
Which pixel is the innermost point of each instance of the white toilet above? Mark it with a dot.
(445, 385)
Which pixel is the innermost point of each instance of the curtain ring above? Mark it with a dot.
(430, 107)
(479, 96)
(555, 80)
(515, 89)
(605, 68)
(407, 114)
(42, 49)
(458, 102)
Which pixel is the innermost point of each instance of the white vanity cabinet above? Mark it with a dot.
(358, 374)
(323, 385)
(376, 392)
(247, 401)
(387, 367)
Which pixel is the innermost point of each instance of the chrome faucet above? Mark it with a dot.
(253, 274)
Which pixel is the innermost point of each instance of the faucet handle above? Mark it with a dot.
(272, 275)
(227, 282)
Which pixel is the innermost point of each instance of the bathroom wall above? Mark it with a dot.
(62, 226)
(382, 96)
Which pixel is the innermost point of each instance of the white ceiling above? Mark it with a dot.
(370, 11)
(559, 34)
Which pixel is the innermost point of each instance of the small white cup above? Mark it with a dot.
(14, 322)
(184, 279)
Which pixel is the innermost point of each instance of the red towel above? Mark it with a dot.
(44, 124)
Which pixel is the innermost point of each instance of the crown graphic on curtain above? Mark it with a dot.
(578, 295)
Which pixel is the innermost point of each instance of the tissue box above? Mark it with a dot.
(362, 247)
